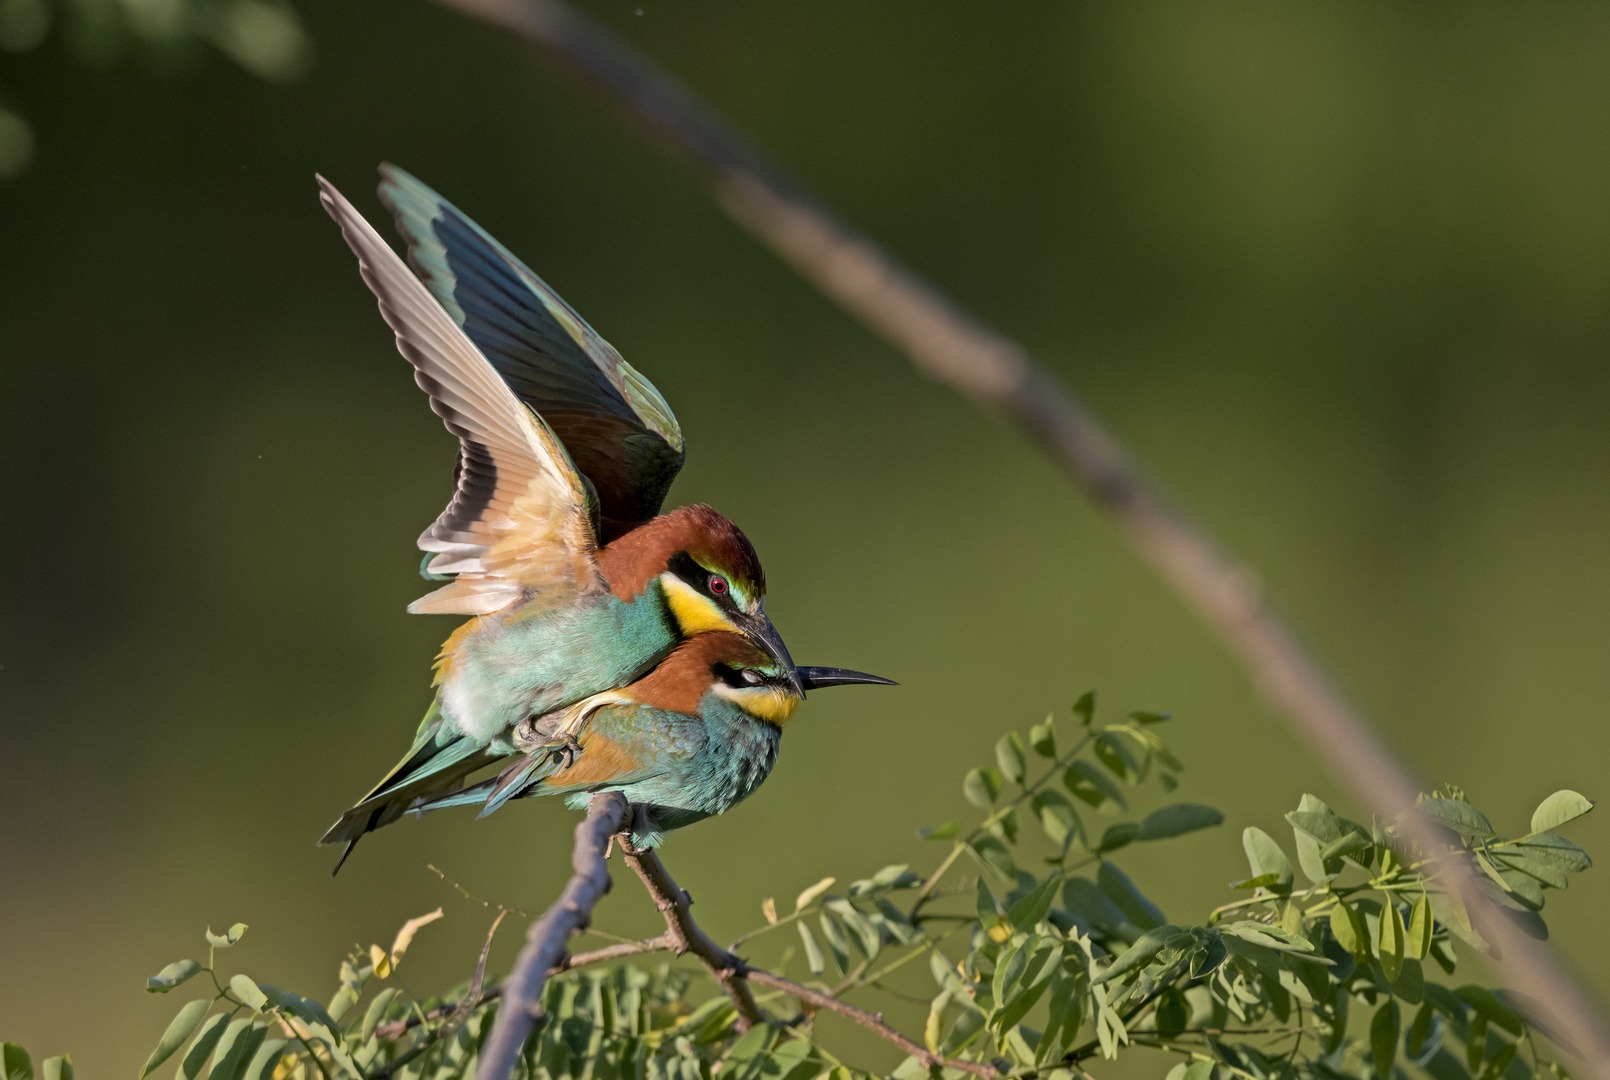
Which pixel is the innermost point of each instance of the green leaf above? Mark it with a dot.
(247, 994)
(1346, 929)
(1130, 900)
(1027, 912)
(1043, 738)
(1418, 943)
(304, 1009)
(1410, 985)
(895, 876)
(1114, 753)
(376, 1012)
(1557, 809)
(1389, 942)
(56, 1068)
(1141, 952)
(1420, 1030)
(942, 832)
(1476, 1042)
(1142, 717)
(1057, 817)
(228, 938)
(1554, 850)
(15, 1064)
(992, 854)
(967, 1027)
(235, 1048)
(813, 952)
(866, 933)
(1384, 1038)
(1487, 1004)
(1178, 819)
(175, 973)
(261, 1066)
(1009, 755)
(837, 943)
(1461, 817)
(1095, 787)
(1117, 836)
(982, 787)
(1084, 898)
(196, 1059)
(1265, 857)
(179, 1029)
(1084, 710)
(1543, 872)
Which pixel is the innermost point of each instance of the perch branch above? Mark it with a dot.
(545, 940)
(953, 348)
(873, 1022)
(566, 963)
(685, 936)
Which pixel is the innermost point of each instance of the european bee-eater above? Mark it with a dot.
(689, 740)
(553, 538)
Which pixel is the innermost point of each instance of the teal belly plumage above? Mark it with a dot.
(517, 665)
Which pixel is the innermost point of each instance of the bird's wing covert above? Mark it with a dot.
(521, 515)
(618, 429)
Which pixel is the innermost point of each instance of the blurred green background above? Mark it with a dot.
(1339, 273)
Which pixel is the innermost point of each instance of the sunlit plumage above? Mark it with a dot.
(689, 740)
(553, 540)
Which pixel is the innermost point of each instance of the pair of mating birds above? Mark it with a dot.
(613, 647)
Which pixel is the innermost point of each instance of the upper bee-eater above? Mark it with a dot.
(553, 539)
(690, 739)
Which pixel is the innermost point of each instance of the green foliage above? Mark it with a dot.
(1036, 970)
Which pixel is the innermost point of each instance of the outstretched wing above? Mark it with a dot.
(521, 517)
(618, 429)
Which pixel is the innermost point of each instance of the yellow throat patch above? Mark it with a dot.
(768, 703)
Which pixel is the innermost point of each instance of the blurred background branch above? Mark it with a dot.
(955, 349)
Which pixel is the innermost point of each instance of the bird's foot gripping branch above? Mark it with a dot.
(1334, 964)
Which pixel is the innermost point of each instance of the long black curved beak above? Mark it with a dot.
(763, 633)
(815, 678)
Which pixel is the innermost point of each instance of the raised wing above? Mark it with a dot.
(521, 515)
(618, 429)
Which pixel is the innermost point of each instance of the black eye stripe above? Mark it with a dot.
(701, 578)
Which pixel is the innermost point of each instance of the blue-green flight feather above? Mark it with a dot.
(618, 429)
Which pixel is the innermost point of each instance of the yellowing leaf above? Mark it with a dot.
(386, 963)
(813, 892)
(768, 908)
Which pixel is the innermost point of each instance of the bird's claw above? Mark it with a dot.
(565, 751)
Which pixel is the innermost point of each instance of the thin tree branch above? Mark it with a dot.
(685, 936)
(545, 940)
(735, 975)
(566, 963)
(873, 1022)
(953, 348)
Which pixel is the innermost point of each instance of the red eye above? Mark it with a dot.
(718, 585)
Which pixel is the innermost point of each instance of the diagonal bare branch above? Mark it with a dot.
(953, 348)
(545, 940)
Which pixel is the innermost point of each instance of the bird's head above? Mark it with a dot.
(708, 572)
(733, 668)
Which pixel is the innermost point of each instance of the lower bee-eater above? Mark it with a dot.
(687, 741)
